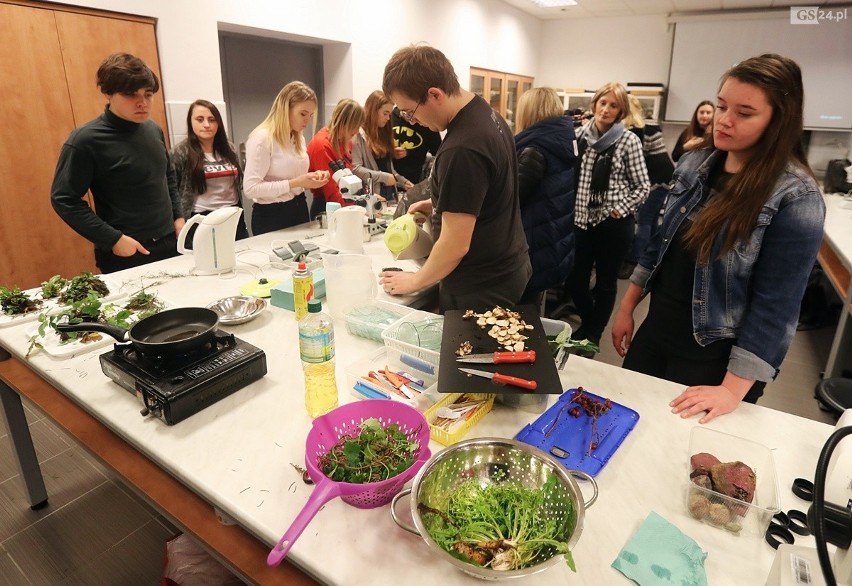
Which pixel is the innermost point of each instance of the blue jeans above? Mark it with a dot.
(647, 220)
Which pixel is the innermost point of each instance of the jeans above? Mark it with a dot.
(647, 220)
(601, 248)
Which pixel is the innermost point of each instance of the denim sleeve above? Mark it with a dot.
(787, 254)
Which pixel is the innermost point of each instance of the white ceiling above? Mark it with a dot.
(592, 8)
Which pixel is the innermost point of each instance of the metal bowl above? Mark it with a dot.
(492, 460)
(238, 310)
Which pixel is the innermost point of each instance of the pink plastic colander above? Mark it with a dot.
(325, 433)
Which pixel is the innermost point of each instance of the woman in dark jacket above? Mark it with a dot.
(546, 184)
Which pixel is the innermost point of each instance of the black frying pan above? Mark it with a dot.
(174, 331)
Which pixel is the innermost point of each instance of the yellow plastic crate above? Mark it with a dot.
(458, 430)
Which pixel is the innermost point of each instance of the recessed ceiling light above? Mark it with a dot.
(554, 3)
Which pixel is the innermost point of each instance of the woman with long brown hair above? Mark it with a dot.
(699, 130)
(277, 173)
(729, 265)
(373, 149)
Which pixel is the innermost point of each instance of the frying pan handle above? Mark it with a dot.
(116, 332)
(584, 476)
(398, 520)
(323, 492)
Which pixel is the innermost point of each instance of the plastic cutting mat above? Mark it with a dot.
(567, 438)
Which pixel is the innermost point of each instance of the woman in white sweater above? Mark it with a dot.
(276, 173)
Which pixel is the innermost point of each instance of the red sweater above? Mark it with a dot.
(321, 153)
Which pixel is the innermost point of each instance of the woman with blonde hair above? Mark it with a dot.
(373, 148)
(334, 143)
(545, 146)
(728, 267)
(277, 163)
(613, 183)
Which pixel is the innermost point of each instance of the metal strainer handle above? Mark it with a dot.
(584, 476)
(403, 524)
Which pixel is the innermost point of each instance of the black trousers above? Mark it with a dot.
(601, 248)
(505, 294)
(669, 351)
(160, 249)
(277, 216)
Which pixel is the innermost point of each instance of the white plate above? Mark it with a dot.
(53, 345)
(51, 305)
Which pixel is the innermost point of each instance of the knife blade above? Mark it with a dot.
(502, 379)
(500, 358)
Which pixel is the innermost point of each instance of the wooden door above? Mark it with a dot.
(86, 40)
(36, 119)
(47, 80)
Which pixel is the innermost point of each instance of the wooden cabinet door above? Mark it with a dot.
(36, 119)
(86, 41)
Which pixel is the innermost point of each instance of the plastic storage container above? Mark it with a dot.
(417, 337)
(746, 518)
(371, 318)
(458, 430)
(378, 360)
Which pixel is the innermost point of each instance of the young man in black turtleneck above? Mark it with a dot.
(121, 156)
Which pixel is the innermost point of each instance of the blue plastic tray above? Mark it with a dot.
(568, 439)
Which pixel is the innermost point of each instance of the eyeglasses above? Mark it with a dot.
(406, 115)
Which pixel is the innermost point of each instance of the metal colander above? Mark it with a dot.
(491, 461)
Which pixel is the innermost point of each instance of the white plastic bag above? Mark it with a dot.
(187, 564)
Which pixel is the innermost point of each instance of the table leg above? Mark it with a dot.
(22, 443)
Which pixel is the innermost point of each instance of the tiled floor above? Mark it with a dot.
(95, 531)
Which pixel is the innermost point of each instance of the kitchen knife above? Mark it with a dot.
(503, 379)
(500, 358)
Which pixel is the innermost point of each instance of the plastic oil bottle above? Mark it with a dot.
(316, 346)
(303, 289)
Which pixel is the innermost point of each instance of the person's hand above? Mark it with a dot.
(388, 179)
(399, 153)
(622, 332)
(315, 179)
(693, 143)
(614, 213)
(715, 400)
(423, 207)
(127, 246)
(179, 223)
(397, 282)
(407, 185)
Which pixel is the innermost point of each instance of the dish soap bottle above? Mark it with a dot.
(303, 289)
(316, 347)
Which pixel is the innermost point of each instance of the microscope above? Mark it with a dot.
(352, 189)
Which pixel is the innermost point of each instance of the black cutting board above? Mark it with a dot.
(457, 330)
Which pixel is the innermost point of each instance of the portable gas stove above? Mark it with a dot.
(173, 388)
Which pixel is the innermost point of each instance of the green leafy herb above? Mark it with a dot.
(16, 302)
(79, 287)
(502, 526)
(372, 454)
(52, 287)
(563, 340)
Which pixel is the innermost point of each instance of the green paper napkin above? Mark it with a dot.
(659, 553)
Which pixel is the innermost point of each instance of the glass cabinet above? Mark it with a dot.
(501, 90)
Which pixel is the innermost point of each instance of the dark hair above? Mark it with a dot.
(414, 69)
(736, 209)
(694, 128)
(195, 158)
(380, 140)
(122, 73)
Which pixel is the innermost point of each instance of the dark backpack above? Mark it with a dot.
(835, 177)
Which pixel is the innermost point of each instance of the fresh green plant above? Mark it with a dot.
(79, 287)
(16, 302)
(372, 454)
(501, 525)
(53, 287)
(563, 340)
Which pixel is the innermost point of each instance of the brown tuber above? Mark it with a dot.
(703, 462)
(734, 479)
(719, 514)
(699, 506)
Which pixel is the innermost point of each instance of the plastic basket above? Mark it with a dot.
(417, 335)
(455, 433)
(370, 319)
(746, 518)
(378, 360)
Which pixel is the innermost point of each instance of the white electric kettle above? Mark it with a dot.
(346, 229)
(213, 241)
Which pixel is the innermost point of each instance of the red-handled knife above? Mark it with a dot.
(500, 358)
(502, 379)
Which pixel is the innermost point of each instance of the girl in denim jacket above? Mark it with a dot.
(728, 267)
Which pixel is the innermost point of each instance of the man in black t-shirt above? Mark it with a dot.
(480, 255)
